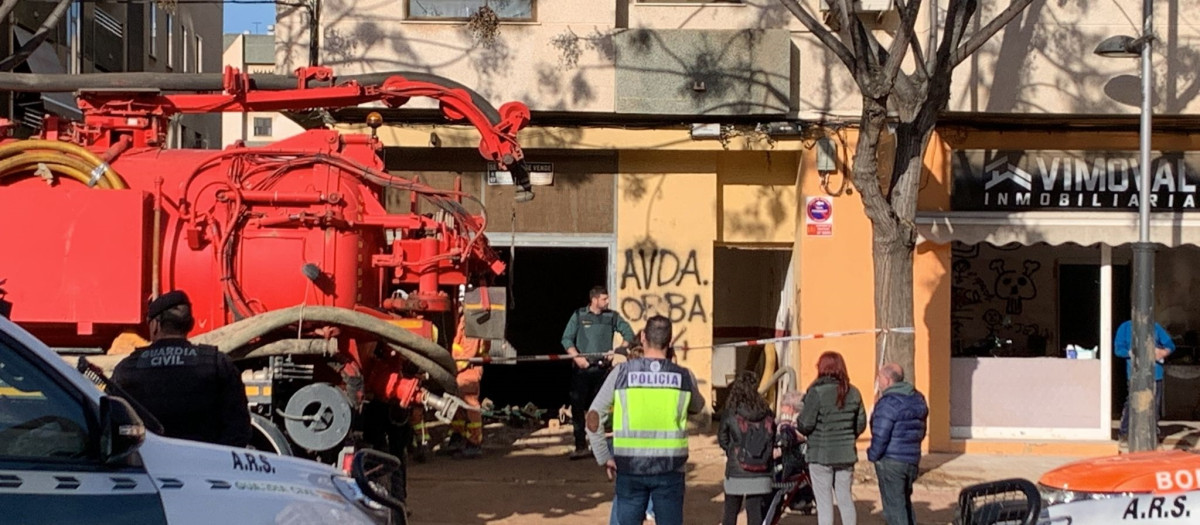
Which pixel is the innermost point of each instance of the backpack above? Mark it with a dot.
(757, 446)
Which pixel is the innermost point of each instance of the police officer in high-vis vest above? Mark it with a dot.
(195, 391)
(590, 331)
(649, 399)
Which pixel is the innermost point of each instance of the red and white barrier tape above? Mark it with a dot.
(806, 337)
(752, 342)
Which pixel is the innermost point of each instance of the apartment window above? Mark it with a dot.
(262, 127)
(186, 63)
(153, 29)
(170, 40)
(462, 9)
(199, 54)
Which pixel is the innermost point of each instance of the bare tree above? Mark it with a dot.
(22, 54)
(918, 97)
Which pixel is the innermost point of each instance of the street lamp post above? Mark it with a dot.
(1143, 410)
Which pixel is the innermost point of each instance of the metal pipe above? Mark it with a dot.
(64, 83)
(428, 280)
(1143, 413)
(156, 258)
(275, 197)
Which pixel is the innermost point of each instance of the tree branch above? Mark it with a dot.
(958, 14)
(822, 34)
(904, 35)
(988, 31)
(6, 8)
(910, 92)
(850, 30)
(921, 71)
(865, 171)
(867, 44)
(43, 32)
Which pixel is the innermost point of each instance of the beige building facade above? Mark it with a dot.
(253, 54)
(688, 142)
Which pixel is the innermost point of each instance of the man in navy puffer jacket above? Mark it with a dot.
(897, 429)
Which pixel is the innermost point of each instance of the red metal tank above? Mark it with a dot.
(99, 218)
(315, 215)
(243, 230)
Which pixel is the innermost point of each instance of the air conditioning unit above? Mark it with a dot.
(865, 6)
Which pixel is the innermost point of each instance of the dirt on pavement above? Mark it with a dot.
(525, 477)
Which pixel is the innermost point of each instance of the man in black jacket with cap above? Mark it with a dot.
(195, 391)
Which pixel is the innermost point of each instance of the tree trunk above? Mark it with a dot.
(892, 233)
(894, 300)
(891, 206)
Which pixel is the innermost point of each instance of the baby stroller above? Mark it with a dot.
(793, 488)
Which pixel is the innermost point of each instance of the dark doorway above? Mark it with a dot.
(1079, 306)
(1122, 308)
(1079, 315)
(747, 283)
(547, 285)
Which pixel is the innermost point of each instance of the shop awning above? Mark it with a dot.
(1056, 227)
(45, 60)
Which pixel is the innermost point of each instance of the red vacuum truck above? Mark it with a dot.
(338, 312)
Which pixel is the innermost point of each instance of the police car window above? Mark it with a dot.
(38, 419)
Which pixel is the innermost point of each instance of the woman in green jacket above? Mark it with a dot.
(833, 418)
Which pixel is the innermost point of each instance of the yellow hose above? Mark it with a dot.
(25, 146)
(67, 171)
(56, 169)
(31, 160)
(771, 363)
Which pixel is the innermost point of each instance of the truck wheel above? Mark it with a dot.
(268, 437)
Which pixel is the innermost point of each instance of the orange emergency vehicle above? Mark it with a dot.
(1157, 472)
(1147, 488)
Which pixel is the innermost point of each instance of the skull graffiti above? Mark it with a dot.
(1015, 287)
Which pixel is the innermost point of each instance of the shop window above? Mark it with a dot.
(1026, 301)
(513, 10)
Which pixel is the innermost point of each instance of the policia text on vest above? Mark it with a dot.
(649, 400)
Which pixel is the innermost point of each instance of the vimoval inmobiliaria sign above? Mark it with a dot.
(1007, 180)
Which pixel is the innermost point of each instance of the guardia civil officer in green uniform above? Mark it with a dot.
(650, 399)
(590, 331)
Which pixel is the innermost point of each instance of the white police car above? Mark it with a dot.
(71, 454)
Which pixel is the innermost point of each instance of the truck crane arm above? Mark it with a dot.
(114, 102)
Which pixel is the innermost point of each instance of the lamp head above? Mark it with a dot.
(1120, 46)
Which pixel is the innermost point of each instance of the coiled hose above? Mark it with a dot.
(61, 158)
(235, 339)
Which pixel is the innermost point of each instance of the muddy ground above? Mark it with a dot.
(526, 478)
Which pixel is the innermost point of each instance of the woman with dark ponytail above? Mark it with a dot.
(747, 435)
(833, 418)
